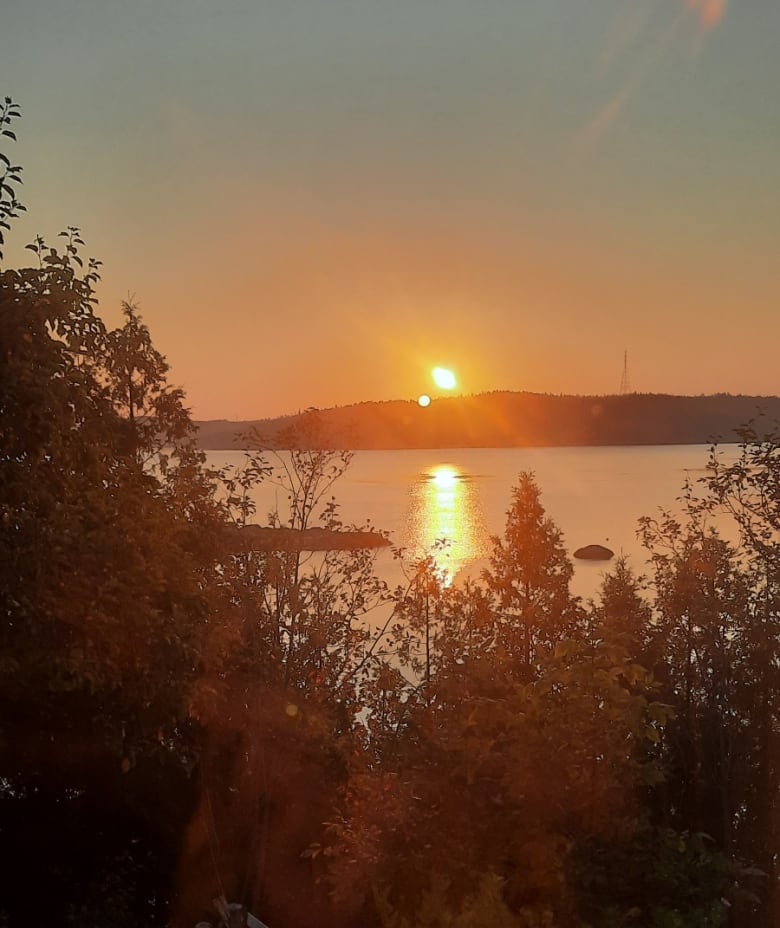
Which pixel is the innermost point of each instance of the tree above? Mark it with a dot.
(747, 490)
(135, 374)
(529, 577)
(102, 606)
(498, 784)
(302, 672)
(623, 613)
(714, 645)
(536, 796)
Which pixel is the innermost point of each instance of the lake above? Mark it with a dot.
(594, 495)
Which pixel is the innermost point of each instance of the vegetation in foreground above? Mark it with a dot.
(182, 723)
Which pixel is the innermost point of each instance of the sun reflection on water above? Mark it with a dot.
(445, 520)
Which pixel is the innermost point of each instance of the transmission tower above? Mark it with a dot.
(625, 382)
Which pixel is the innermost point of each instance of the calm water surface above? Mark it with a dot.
(594, 495)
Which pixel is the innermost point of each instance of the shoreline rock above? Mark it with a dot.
(265, 538)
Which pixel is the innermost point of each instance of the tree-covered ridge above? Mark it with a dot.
(511, 420)
(186, 722)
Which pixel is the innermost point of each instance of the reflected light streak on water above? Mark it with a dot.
(445, 520)
(594, 495)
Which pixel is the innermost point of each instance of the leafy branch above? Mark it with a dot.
(11, 177)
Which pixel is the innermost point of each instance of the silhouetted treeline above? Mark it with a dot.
(506, 420)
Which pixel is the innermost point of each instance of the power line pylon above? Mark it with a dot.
(625, 382)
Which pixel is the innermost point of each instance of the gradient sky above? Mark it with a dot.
(316, 201)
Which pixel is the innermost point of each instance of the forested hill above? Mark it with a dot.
(503, 420)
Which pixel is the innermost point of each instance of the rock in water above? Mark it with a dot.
(594, 553)
(265, 538)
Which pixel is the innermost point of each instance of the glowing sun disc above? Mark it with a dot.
(424, 400)
(444, 378)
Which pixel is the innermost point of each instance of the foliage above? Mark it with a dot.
(661, 879)
(502, 779)
(529, 575)
(749, 487)
(623, 613)
(484, 908)
(182, 713)
(94, 563)
(306, 617)
(135, 376)
(11, 176)
(284, 694)
(102, 606)
(715, 644)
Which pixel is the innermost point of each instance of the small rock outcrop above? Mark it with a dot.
(262, 538)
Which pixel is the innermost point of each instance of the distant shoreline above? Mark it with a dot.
(502, 420)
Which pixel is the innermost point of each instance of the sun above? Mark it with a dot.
(444, 379)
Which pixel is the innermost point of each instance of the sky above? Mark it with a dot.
(315, 202)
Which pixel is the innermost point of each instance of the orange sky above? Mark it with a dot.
(316, 203)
